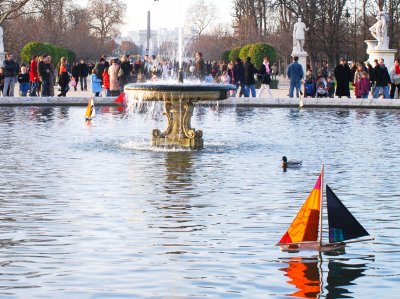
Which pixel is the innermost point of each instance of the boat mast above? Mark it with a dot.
(321, 205)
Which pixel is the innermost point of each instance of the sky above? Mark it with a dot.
(166, 13)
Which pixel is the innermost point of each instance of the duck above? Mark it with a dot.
(290, 163)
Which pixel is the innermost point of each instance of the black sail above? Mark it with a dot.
(342, 224)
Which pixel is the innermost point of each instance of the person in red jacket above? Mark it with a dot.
(33, 76)
(106, 82)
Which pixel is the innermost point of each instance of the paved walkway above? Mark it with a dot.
(279, 98)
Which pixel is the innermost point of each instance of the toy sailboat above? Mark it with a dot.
(90, 112)
(305, 232)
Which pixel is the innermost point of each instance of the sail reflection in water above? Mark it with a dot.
(306, 274)
(342, 275)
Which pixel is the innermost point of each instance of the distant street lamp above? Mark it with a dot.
(148, 33)
(347, 16)
(355, 31)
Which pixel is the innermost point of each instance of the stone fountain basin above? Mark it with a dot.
(179, 91)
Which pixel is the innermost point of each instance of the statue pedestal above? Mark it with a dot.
(2, 58)
(387, 54)
(302, 59)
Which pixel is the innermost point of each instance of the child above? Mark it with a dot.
(96, 83)
(225, 78)
(106, 82)
(23, 80)
(330, 87)
(309, 84)
(321, 88)
(363, 85)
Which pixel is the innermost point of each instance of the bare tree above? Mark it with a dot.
(200, 16)
(245, 21)
(105, 18)
(129, 47)
(52, 15)
(394, 25)
(59, 22)
(214, 43)
(11, 8)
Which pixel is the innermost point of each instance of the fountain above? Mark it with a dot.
(178, 107)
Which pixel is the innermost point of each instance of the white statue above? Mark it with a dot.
(299, 30)
(1, 40)
(379, 30)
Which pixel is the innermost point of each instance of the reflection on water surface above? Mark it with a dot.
(95, 212)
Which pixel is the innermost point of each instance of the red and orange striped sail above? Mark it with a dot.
(305, 226)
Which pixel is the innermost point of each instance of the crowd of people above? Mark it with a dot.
(363, 78)
(109, 76)
(240, 73)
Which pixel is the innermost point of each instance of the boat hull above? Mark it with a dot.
(312, 246)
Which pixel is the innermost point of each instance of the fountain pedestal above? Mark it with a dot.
(179, 132)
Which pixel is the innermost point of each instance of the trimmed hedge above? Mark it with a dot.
(71, 56)
(32, 48)
(234, 53)
(257, 52)
(244, 52)
(56, 52)
(225, 55)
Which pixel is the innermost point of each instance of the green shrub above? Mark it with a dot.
(56, 52)
(258, 51)
(234, 53)
(244, 52)
(225, 55)
(71, 56)
(32, 48)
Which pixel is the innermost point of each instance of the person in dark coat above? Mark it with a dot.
(200, 66)
(100, 66)
(63, 77)
(264, 76)
(44, 70)
(11, 69)
(238, 70)
(83, 74)
(249, 81)
(75, 72)
(382, 79)
(343, 77)
(125, 73)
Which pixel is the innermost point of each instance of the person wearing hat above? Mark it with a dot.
(343, 78)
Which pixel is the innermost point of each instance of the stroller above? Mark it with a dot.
(321, 88)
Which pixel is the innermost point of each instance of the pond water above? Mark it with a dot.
(92, 211)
